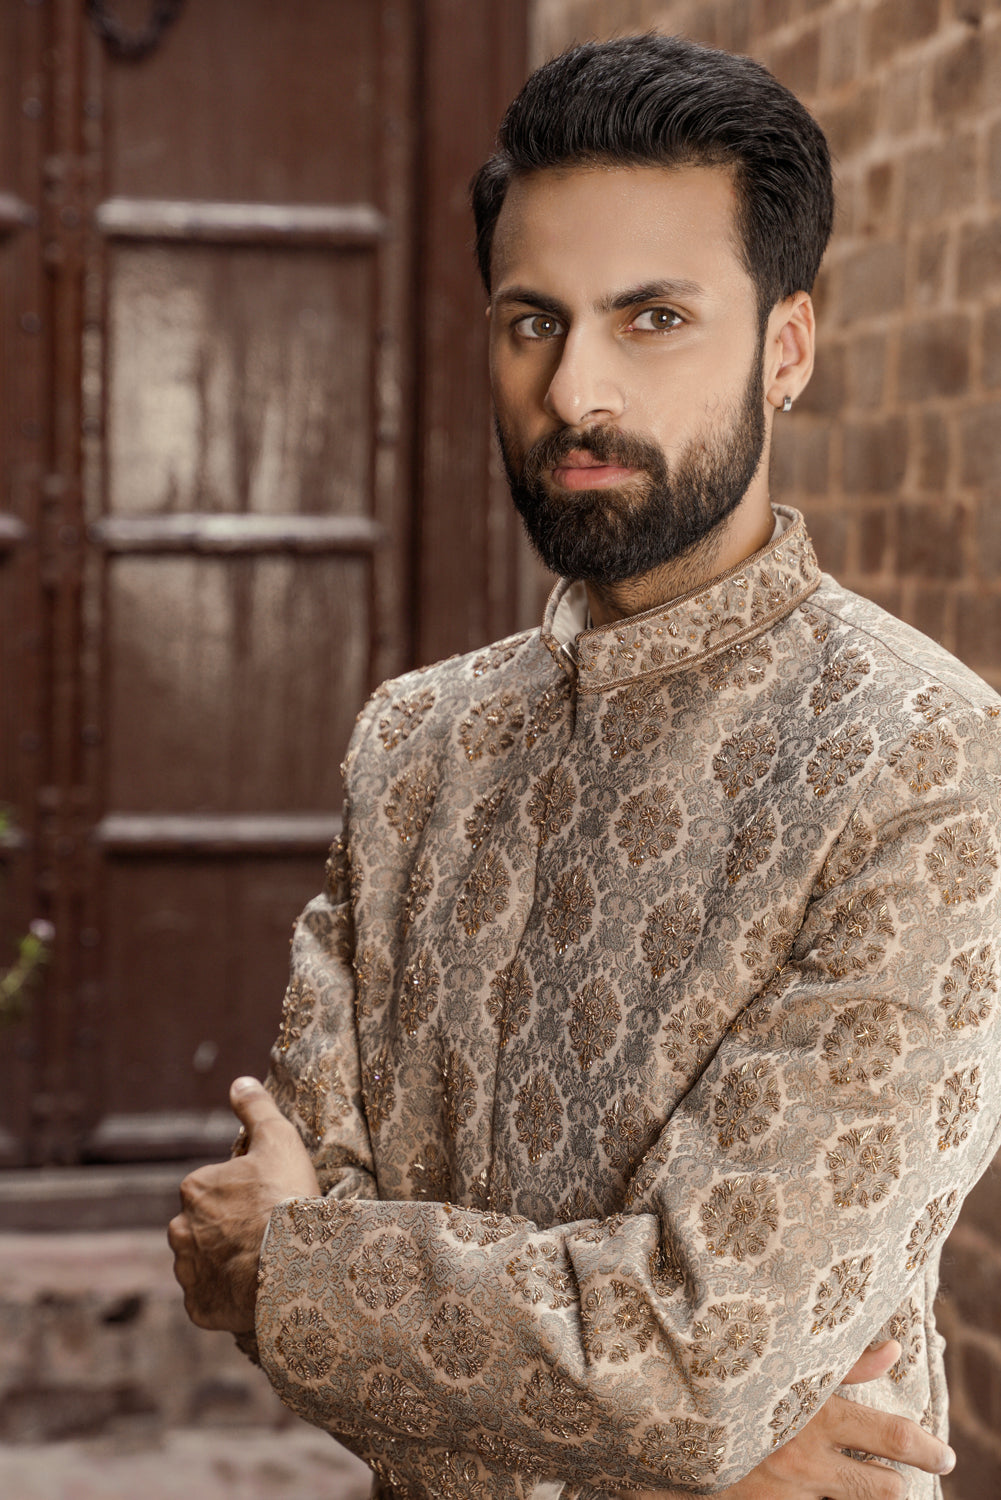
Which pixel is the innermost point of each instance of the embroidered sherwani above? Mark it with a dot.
(646, 1039)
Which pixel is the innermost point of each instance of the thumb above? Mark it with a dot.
(873, 1362)
(252, 1104)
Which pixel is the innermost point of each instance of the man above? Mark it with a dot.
(639, 1038)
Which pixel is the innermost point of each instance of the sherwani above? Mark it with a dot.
(646, 1042)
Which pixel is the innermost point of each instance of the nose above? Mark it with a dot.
(584, 389)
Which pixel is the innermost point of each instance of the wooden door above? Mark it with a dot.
(265, 418)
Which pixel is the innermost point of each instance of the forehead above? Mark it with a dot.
(598, 227)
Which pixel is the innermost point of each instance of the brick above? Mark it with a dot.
(987, 534)
(902, 101)
(958, 79)
(982, 1382)
(940, 179)
(978, 643)
(880, 181)
(977, 1467)
(935, 358)
(929, 267)
(980, 449)
(886, 595)
(769, 13)
(994, 161)
(825, 395)
(850, 124)
(734, 24)
(894, 24)
(982, 1209)
(865, 370)
(875, 456)
(930, 541)
(875, 539)
(991, 372)
(928, 611)
(979, 258)
(872, 281)
(829, 531)
(801, 458)
(840, 48)
(971, 1278)
(797, 64)
(933, 452)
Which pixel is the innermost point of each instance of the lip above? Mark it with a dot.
(584, 472)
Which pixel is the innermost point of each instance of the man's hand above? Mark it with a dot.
(812, 1465)
(216, 1238)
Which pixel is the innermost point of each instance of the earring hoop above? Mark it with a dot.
(787, 403)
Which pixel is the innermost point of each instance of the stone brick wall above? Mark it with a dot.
(894, 454)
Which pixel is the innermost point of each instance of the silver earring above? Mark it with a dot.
(787, 403)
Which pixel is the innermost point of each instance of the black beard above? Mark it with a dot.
(605, 536)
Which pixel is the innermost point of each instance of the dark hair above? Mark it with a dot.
(659, 100)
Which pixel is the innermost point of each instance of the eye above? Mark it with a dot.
(538, 326)
(657, 320)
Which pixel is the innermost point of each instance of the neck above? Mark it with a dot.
(742, 534)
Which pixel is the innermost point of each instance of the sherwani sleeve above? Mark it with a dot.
(788, 1203)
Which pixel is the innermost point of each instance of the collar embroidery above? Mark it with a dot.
(733, 608)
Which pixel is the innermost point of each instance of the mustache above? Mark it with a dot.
(606, 444)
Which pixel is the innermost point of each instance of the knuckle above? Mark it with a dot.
(899, 1437)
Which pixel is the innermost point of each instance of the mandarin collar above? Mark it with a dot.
(738, 605)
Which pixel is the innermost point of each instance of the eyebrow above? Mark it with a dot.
(649, 291)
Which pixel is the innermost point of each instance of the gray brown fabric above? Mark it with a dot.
(646, 1039)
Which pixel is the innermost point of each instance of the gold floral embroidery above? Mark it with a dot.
(962, 862)
(855, 940)
(701, 1450)
(905, 1327)
(320, 1099)
(839, 677)
(958, 1103)
(539, 1116)
(385, 1271)
(690, 1035)
(458, 1091)
(555, 1405)
(482, 1228)
(541, 1275)
(411, 798)
(933, 703)
(864, 1165)
(396, 1404)
(569, 914)
(838, 758)
(931, 1226)
(628, 1128)
(546, 712)
(747, 1098)
(481, 820)
(842, 1292)
(455, 1476)
(727, 1339)
(551, 802)
(429, 1175)
(862, 1043)
(595, 1013)
(929, 758)
(457, 1341)
(419, 888)
(510, 993)
(419, 991)
(739, 1217)
(848, 855)
(672, 930)
(403, 717)
(632, 718)
(740, 666)
(969, 988)
(616, 1323)
(337, 872)
(498, 656)
(768, 942)
(744, 758)
(297, 1013)
(485, 895)
(306, 1344)
(794, 1410)
(667, 1273)
(372, 979)
(379, 1089)
(491, 727)
(751, 847)
(648, 826)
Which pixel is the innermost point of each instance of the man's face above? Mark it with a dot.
(626, 364)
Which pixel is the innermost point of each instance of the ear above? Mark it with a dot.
(790, 340)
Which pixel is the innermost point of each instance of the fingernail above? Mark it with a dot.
(948, 1462)
(878, 1344)
(245, 1085)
